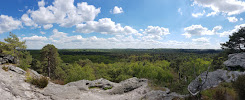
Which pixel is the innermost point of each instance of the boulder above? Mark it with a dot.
(7, 59)
(212, 79)
(128, 85)
(16, 69)
(235, 61)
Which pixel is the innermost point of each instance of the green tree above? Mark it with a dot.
(50, 59)
(12, 45)
(236, 41)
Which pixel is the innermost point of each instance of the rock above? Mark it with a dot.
(16, 69)
(128, 85)
(235, 60)
(34, 74)
(13, 87)
(213, 79)
(7, 59)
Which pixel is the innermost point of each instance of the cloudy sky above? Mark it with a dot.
(106, 24)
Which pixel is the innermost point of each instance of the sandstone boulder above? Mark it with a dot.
(235, 61)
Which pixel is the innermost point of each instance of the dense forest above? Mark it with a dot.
(173, 68)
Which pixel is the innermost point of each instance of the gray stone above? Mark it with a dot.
(235, 60)
(13, 87)
(213, 79)
(16, 69)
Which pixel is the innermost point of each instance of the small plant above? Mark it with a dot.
(5, 68)
(107, 88)
(40, 82)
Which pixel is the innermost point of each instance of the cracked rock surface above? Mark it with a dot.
(13, 87)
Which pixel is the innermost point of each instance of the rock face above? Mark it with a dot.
(212, 79)
(7, 59)
(13, 87)
(235, 60)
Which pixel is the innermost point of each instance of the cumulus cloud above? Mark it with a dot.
(156, 30)
(230, 7)
(198, 14)
(241, 19)
(117, 10)
(35, 38)
(62, 12)
(199, 30)
(8, 23)
(105, 26)
(48, 26)
(232, 19)
(229, 32)
(62, 41)
(201, 40)
(28, 21)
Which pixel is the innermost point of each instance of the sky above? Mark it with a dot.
(110, 24)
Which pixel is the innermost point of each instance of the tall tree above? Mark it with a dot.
(236, 41)
(50, 59)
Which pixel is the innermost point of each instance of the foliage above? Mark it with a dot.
(12, 45)
(236, 41)
(41, 82)
(50, 60)
(240, 86)
(224, 91)
(25, 60)
(36, 65)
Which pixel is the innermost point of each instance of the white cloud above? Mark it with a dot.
(48, 26)
(156, 30)
(212, 14)
(241, 19)
(105, 26)
(8, 23)
(230, 7)
(35, 38)
(201, 40)
(64, 13)
(232, 19)
(42, 32)
(229, 32)
(41, 3)
(62, 41)
(198, 14)
(117, 10)
(180, 11)
(199, 30)
(28, 21)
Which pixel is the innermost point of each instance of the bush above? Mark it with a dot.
(240, 86)
(40, 82)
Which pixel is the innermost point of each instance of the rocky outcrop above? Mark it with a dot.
(235, 60)
(13, 87)
(7, 59)
(212, 79)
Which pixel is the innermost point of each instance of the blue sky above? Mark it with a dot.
(106, 24)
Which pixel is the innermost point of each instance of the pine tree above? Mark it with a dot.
(50, 59)
(236, 42)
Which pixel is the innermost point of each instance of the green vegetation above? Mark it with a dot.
(240, 86)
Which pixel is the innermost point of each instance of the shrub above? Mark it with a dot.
(5, 68)
(240, 86)
(41, 82)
